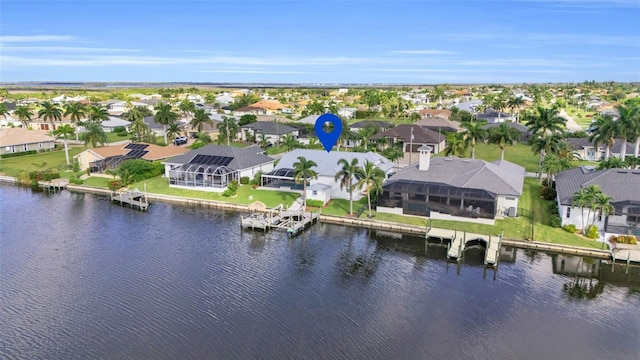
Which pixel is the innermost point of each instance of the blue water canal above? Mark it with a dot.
(82, 278)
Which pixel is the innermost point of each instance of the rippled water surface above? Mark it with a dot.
(82, 278)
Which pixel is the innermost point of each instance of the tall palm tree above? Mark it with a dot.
(545, 120)
(587, 198)
(200, 117)
(263, 141)
(51, 112)
(94, 134)
(612, 163)
(515, 103)
(289, 142)
(503, 135)
(474, 131)
(552, 165)
(187, 108)
(65, 131)
(371, 178)
(455, 144)
(75, 112)
(138, 126)
(228, 129)
(582, 200)
(346, 175)
(165, 116)
(603, 206)
(23, 113)
(628, 127)
(302, 172)
(173, 130)
(545, 146)
(604, 131)
(97, 114)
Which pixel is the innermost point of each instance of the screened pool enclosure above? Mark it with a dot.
(204, 171)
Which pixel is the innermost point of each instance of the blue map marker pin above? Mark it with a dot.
(328, 139)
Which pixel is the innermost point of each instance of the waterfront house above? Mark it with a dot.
(453, 188)
(110, 157)
(114, 122)
(325, 187)
(213, 167)
(16, 140)
(623, 185)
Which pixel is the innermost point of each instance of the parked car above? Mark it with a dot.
(180, 140)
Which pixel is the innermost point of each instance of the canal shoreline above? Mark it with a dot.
(365, 223)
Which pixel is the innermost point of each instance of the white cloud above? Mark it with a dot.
(35, 38)
(253, 72)
(65, 49)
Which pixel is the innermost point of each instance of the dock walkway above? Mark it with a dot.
(293, 221)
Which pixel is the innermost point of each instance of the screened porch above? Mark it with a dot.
(198, 175)
(281, 178)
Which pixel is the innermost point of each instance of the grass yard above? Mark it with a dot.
(520, 154)
(245, 195)
(113, 137)
(581, 117)
(42, 161)
(96, 181)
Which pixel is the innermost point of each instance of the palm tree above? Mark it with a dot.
(604, 131)
(289, 142)
(628, 127)
(94, 134)
(65, 131)
(138, 126)
(503, 135)
(165, 116)
(612, 163)
(347, 173)
(23, 113)
(365, 134)
(474, 131)
(173, 130)
(187, 108)
(263, 141)
(200, 117)
(75, 112)
(551, 165)
(588, 198)
(545, 146)
(603, 207)
(302, 172)
(51, 112)
(228, 129)
(371, 178)
(515, 103)
(582, 200)
(3, 110)
(545, 120)
(97, 114)
(455, 144)
(393, 154)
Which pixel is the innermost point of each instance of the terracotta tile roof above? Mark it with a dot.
(155, 152)
(19, 136)
(269, 104)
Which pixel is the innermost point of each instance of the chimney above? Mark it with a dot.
(425, 157)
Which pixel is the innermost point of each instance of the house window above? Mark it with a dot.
(26, 147)
(568, 212)
(600, 216)
(510, 198)
(40, 145)
(314, 192)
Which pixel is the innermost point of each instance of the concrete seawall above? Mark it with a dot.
(361, 223)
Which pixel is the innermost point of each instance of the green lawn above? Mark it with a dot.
(581, 117)
(520, 154)
(46, 160)
(245, 195)
(113, 137)
(96, 181)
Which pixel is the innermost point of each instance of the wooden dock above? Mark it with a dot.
(54, 185)
(293, 222)
(458, 243)
(132, 198)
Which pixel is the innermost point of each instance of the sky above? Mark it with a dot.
(321, 42)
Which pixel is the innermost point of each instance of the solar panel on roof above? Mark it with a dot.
(211, 160)
(136, 153)
(133, 146)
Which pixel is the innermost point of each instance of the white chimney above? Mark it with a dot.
(425, 157)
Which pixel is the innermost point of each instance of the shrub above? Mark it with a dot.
(46, 175)
(315, 203)
(138, 169)
(122, 133)
(570, 228)
(553, 208)
(232, 188)
(76, 181)
(257, 178)
(244, 180)
(115, 185)
(119, 129)
(555, 221)
(10, 155)
(548, 193)
(592, 232)
(623, 239)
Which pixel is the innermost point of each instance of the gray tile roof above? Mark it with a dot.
(436, 122)
(616, 148)
(523, 129)
(271, 128)
(366, 123)
(242, 158)
(621, 184)
(328, 162)
(403, 132)
(500, 177)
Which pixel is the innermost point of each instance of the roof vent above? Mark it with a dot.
(620, 171)
(466, 160)
(636, 172)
